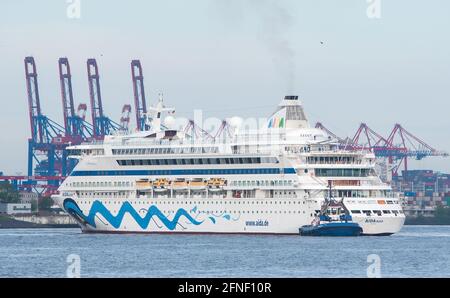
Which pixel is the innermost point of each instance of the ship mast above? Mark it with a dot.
(155, 122)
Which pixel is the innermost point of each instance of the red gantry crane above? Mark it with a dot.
(139, 95)
(46, 145)
(125, 119)
(76, 128)
(397, 148)
(102, 125)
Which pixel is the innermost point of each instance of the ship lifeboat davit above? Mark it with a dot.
(179, 184)
(197, 184)
(216, 184)
(144, 184)
(161, 185)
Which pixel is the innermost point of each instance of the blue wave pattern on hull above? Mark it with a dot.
(116, 221)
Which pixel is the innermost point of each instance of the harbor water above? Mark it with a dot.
(417, 251)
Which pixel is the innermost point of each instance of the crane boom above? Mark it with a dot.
(139, 95)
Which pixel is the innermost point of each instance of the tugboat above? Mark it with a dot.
(334, 219)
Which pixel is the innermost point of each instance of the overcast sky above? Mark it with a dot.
(236, 57)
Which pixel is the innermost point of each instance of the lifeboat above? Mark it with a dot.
(197, 184)
(143, 184)
(216, 184)
(179, 184)
(161, 185)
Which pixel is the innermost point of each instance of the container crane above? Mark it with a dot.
(46, 143)
(396, 148)
(125, 119)
(76, 128)
(401, 145)
(102, 125)
(319, 125)
(139, 95)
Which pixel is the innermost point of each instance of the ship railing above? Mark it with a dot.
(241, 138)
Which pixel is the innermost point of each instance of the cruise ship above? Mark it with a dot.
(266, 181)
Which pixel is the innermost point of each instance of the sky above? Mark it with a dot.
(350, 61)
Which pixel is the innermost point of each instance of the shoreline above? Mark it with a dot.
(7, 222)
(426, 222)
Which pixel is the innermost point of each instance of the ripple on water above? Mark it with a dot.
(414, 252)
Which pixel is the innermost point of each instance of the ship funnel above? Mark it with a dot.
(290, 114)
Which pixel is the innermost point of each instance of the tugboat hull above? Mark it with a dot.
(332, 229)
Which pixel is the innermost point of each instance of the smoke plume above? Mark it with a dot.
(274, 22)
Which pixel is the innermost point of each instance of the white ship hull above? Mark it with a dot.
(228, 216)
(383, 226)
(270, 181)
